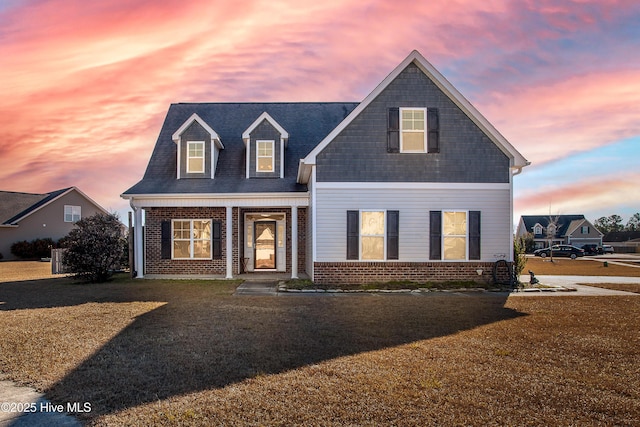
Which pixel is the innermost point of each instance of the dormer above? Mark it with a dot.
(537, 229)
(198, 149)
(265, 141)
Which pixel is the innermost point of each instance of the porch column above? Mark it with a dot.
(294, 242)
(138, 244)
(229, 242)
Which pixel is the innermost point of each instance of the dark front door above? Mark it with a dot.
(265, 247)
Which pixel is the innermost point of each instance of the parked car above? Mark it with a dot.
(592, 249)
(607, 249)
(560, 250)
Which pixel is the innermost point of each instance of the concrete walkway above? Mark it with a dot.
(257, 288)
(580, 283)
(25, 407)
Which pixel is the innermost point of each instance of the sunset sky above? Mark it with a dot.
(86, 84)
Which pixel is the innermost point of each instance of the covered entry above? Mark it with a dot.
(265, 242)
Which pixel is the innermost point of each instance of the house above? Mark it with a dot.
(623, 241)
(411, 183)
(573, 230)
(28, 216)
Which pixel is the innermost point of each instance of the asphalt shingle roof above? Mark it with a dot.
(564, 221)
(306, 123)
(14, 206)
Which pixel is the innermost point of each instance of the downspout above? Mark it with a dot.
(137, 241)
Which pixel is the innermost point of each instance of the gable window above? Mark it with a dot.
(72, 213)
(195, 157)
(372, 235)
(264, 156)
(191, 239)
(412, 130)
(454, 235)
(584, 229)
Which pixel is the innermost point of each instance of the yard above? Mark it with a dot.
(188, 353)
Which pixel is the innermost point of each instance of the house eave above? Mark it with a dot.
(218, 199)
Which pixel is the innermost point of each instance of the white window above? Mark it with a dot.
(191, 239)
(264, 156)
(195, 157)
(372, 235)
(72, 213)
(454, 235)
(412, 130)
(537, 229)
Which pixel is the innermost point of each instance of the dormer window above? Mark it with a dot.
(265, 141)
(265, 156)
(537, 229)
(198, 149)
(195, 157)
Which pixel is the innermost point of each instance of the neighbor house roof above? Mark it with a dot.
(563, 224)
(306, 123)
(621, 236)
(15, 206)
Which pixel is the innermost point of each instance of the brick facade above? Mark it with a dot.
(154, 264)
(335, 273)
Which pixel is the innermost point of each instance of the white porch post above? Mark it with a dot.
(138, 243)
(294, 242)
(229, 242)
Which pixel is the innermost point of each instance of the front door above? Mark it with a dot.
(265, 247)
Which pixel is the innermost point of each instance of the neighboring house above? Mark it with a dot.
(623, 241)
(27, 216)
(573, 230)
(411, 183)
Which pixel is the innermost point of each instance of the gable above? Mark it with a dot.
(414, 62)
(360, 152)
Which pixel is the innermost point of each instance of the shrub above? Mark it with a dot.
(95, 247)
(38, 248)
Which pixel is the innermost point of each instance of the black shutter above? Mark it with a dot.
(165, 240)
(433, 136)
(393, 131)
(474, 234)
(435, 235)
(353, 234)
(393, 225)
(216, 240)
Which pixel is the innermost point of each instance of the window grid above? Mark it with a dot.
(412, 126)
(195, 157)
(191, 239)
(264, 156)
(72, 213)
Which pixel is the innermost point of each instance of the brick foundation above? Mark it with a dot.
(335, 273)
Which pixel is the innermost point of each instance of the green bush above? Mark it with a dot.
(95, 247)
(35, 249)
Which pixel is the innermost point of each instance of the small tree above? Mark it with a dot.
(519, 258)
(95, 247)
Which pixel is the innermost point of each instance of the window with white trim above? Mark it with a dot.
(72, 213)
(454, 235)
(191, 239)
(195, 157)
(584, 229)
(412, 130)
(264, 156)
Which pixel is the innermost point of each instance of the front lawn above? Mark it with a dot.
(160, 352)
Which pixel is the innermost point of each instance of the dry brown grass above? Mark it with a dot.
(12, 271)
(578, 267)
(187, 353)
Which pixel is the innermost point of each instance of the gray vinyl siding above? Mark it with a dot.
(195, 132)
(414, 206)
(359, 152)
(264, 132)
